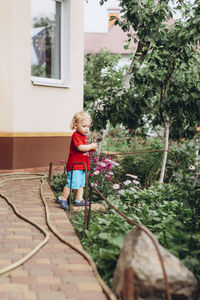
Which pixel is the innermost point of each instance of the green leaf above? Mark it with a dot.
(107, 254)
(104, 236)
(117, 241)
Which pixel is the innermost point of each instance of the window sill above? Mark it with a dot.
(49, 82)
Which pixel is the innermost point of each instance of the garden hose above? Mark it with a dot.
(42, 177)
(46, 234)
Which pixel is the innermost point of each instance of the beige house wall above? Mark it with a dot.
(5, 67)
(34, 119)
(25, 107)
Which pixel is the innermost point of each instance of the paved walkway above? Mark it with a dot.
(56, 272)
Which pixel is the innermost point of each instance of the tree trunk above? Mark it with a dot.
(141, 53)
(166, 147)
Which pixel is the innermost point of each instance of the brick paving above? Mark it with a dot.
(56, 272)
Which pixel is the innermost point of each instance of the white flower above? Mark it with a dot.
(108, 160)
(132, 189)
(132, 176)
(135, 181)
(192, 167)
(107, 175)
(116, 186)
(96, 172)
(127, 182)
(110, 173)
(102, 164)
(93, 184)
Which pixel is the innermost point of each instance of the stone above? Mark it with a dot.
(94, 206)
(139, 255)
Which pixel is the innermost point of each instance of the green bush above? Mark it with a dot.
(146, 166)
(102, 241)
(163, 208)
(171, 210)
(57, 184)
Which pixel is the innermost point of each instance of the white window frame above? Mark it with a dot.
(65, 55)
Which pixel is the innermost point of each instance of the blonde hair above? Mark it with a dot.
(79, 117)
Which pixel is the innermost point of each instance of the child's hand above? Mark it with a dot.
(85, 148)
(94, 146)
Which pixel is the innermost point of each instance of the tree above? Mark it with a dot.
(102, 76)
(162, 83)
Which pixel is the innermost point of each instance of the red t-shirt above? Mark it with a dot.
(76, 156)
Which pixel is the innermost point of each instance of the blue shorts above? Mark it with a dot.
(78, 179)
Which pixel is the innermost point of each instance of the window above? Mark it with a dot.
(49, 40)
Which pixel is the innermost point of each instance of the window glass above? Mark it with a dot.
(46, 38)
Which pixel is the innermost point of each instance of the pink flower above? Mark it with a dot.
(95, 160)
(109, 166)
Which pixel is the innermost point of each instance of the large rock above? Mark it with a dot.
(139, 254)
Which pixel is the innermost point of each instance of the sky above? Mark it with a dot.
(96, 16)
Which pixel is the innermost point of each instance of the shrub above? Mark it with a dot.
(171, 211)
(57, 184)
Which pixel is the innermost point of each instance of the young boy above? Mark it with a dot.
(79, 148)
